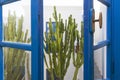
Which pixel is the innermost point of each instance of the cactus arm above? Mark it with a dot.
(28, 71)
(79, 56)
(14, 58)
(46, 62)
(75, 73)
(25, 36)
(60, 49)
(51, 68)
(54, 55)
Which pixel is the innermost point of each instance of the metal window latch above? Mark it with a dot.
(96, 20)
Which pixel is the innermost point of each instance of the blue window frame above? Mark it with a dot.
(37, 39)
(36, 46)
(1, 51)
(88, 40)
(3, 2)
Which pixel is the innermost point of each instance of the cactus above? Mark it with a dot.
(59, 45)
(14, 59)
(77, 56)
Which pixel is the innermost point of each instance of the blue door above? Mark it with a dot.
(89, 32)
(115, 40)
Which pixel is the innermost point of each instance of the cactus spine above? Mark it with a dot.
(14, 59)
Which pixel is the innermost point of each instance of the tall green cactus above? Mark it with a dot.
(59, 50)
(14, 59)
(77, 55)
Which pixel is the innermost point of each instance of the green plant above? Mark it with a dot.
(59, 45)
(78, 53)
(14, 59)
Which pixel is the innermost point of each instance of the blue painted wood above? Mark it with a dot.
(109, 55)
(37, 39)
(101, 44)
(16, 45)
(116, 38)
(105, 2)
(1, 50)
(4, 2)
(103, 79)
(88, 41)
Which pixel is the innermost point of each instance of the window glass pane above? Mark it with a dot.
(100, 34)
(17, 21)
(100, 63)
(63, 40)
(17, 64)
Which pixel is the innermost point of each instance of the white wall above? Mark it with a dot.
(63, 2)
